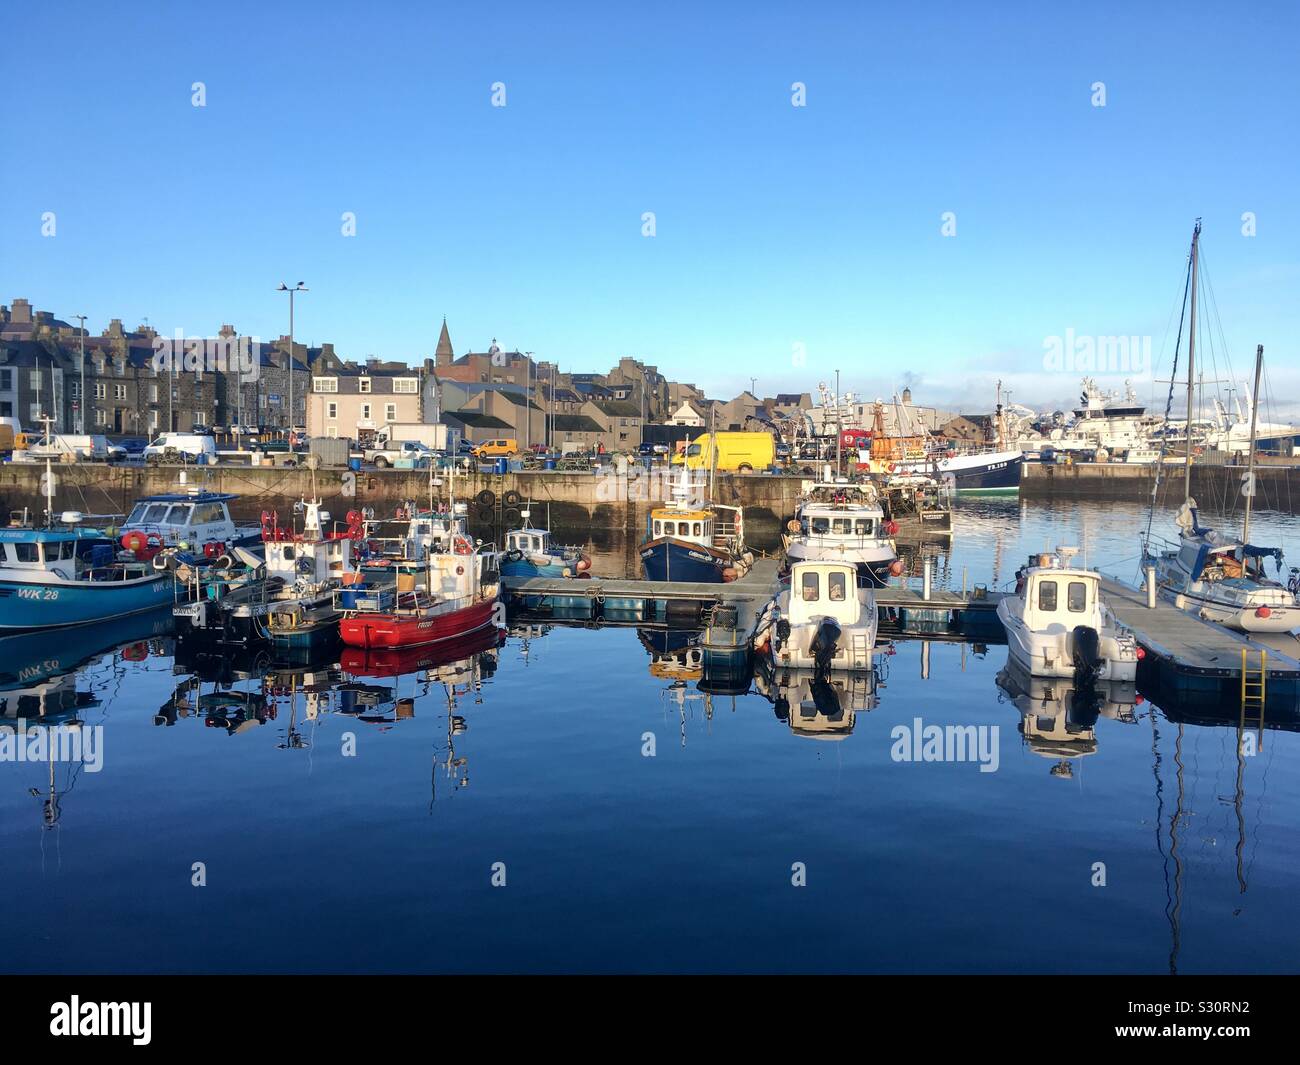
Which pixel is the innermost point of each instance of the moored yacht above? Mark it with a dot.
(1058, 626)
(1222, 579)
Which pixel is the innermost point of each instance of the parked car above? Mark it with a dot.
(506, 447)
(650, 447)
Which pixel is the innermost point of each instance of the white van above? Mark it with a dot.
(181, 447)
(79, 445)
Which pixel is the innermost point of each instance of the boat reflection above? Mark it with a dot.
(819, 706)
(1057, 719)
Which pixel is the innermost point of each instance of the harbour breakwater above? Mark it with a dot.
(607, 501)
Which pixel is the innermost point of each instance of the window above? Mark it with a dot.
(101, 390)
(206, 513)
(101, 416)
(119, 391)
(331, 411)
(408, 385)
(842, 526)
(36, 380)
(1076, 597)
(6, 380)
(325, 384)
(24, 551)
(864, 527)
(364, 385)
(179, 514)
(153, 393)
(365, 412)
(835, 587)
(809, 589)
(698, 529)
(821, 526)
(1047, 595)
(74, 390)
(390, 412)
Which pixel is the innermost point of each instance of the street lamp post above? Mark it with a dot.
(81, 406)
(299, 287)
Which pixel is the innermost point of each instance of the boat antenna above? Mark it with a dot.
(49, 475)
(1250, 462)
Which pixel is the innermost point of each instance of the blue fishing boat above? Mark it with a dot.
(54, 577)
(701, 544)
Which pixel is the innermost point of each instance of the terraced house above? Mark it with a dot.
(353, 402)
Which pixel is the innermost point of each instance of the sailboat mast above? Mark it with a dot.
(1191, 361)
(1250, 463)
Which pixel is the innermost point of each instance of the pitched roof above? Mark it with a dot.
(576, 423)
(618, 408)
(475, 420)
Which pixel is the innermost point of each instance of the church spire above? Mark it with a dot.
(444, 354)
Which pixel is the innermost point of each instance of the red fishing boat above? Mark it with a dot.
(396, 663)
(459, 598)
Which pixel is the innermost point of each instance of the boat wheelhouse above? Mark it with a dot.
(843, 521)
(188, 520)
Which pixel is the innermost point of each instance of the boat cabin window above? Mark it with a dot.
(842, 526)
(809, 588)
(835, 586)
(699, 528)
(206, 513)
(179, 514)
(863, 527)
(286, 553)
(1047, 595)
(821, 526)
(1076, 597)
(24, 551)
(148, 513)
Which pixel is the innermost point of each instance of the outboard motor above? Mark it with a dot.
(826, 699)
(782, 633)
(822, 647)
(1087, 655)
(1083, 709)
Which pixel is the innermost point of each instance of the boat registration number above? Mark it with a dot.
(44, 594)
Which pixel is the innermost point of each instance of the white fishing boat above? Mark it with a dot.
(825, 619)
(1058, 626)
(843, 521)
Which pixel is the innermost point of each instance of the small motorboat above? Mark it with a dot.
(529, 552)
(459, 597)
(1058, 626)
(819, 706)
(191, 521)
(824, 620)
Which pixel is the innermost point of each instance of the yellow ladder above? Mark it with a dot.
(1254, 688)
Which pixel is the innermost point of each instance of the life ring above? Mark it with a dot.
(512, 498)
(891, 527)
(135, 541)
(462, 546)
(793, 525)
(486, 498)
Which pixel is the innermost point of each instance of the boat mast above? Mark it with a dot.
(1191, 361)
(1250, 463)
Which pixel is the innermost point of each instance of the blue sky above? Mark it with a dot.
(775, 225)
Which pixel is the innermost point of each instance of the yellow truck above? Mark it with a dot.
(741, 452)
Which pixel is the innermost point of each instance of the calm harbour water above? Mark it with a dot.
(383, 860)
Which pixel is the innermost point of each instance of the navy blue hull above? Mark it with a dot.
(676, 560)
(996, 477)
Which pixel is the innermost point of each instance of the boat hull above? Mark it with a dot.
(1048, 654)
(679, 560)
(997, 473)
(389, 631)
(873, 562)
(29, 605)
(361, 662)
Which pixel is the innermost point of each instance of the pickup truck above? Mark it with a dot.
(387, 455)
